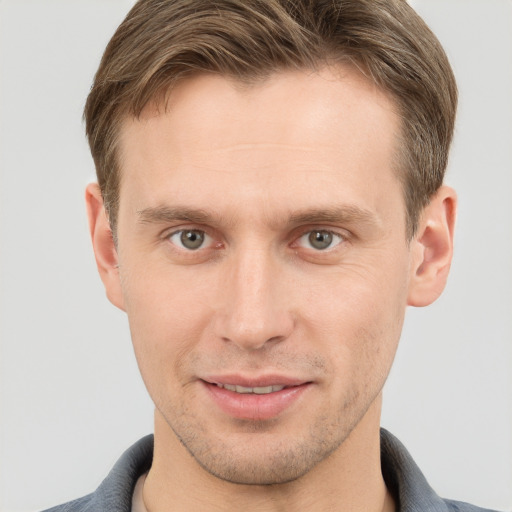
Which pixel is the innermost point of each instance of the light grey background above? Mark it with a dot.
(70, 394)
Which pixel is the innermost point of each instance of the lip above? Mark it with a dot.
(255, 407)
(254, 382)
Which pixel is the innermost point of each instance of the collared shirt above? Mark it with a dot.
(405, 481)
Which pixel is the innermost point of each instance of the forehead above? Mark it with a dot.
(322, 99)
(298, 133)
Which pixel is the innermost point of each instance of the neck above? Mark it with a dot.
(350, 479)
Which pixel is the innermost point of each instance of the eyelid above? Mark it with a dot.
(211, 240)
(341, 234)
(172, 230)
(207, 239)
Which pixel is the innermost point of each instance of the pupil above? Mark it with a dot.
(320, 239)
(192, 239)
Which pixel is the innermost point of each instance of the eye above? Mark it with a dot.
(320, 239)
(190, 239)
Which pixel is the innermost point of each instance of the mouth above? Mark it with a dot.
(257, 390)
(255, 399)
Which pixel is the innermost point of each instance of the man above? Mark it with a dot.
(270, 198)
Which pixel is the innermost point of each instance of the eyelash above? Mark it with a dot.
(180, 232)
(334, 234)
(296, 243)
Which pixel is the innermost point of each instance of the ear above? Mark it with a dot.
(105, 251)
(432, 249)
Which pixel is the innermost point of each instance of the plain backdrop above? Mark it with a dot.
(70, 394)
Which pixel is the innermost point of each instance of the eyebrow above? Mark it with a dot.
(346, 214)
(161, 214)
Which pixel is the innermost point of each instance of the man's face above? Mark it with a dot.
(264, 266)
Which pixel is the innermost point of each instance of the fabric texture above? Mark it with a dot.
(115, 492)
(403, 478)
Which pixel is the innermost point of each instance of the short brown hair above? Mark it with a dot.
(162, 41)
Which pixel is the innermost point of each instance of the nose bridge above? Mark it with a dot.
(254, 313)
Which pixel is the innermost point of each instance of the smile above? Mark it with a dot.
(261, 390)
(259, 400)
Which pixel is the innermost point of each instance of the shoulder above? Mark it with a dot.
(459, 506)
(409, 486)
(83, 504)
(116, 491)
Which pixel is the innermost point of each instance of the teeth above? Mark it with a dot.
(242, 389)
(263, 390)
(267, 389)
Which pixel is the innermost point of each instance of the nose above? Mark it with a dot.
(255, 308)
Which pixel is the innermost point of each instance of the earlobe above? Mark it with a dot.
(432, 249)
(103, 244)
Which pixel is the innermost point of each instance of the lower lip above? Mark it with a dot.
(250, 406)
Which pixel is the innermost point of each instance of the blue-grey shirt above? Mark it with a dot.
(403, 478)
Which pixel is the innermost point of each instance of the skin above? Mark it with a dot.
(257, 169)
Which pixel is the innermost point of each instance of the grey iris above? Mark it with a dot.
(192, 239)
(320, 239)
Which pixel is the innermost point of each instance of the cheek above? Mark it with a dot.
(358, 320)
(162, 301)
(168, 317)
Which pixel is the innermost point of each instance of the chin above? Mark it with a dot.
(279, 469)
(261, 456)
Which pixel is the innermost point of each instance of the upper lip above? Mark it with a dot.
(256, 381)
